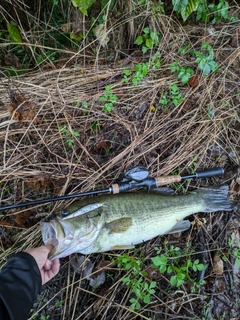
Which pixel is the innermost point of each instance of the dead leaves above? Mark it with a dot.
(39, 183)
(194, 81)
(217, 265)
(21, 108)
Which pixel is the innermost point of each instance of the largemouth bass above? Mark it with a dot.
(121, 221)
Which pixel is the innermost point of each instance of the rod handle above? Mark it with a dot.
(163, 180)
(213, 172)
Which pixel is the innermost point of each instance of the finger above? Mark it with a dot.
(55, 266)
(49, 247)
(49, 274)
(47, 265)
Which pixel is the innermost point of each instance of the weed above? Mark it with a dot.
(126, 73)
(136, 281)
(155, 61)
(205, 12)
(148, 39)
(170, 262)
(109, 99)
(184, 73)
(175, 95)
(236, 251)
(141, 70)
(83, 5)
(64, 131)
(58, 304)
(158, 8)
(177, 266)
(95, 126)
(205, 62)
(204, 59)
(164, 101)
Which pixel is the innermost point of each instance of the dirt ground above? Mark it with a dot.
(56, 139)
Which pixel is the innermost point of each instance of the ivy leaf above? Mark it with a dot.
(14, 33)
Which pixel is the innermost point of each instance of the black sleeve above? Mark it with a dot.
(20, 282)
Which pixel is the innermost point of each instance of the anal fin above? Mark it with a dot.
(180, 226)
(123, 247)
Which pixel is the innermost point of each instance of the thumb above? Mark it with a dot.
(49, 247)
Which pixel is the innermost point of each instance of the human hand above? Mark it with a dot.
(47, 268)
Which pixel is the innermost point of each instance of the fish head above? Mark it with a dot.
(67, 236)
(71, 235)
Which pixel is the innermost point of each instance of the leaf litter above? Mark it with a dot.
(37, 161)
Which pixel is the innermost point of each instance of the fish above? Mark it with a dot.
(128, 219)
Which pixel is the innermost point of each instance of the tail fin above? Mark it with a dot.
(215, 199)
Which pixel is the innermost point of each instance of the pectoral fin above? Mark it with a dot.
(180, 226)
(120, 225)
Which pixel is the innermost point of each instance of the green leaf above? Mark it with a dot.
(14, 33)
(144, 69)
(173, 280)
(146, 299)
(152, 284)
(139, 40)
(163, 268)
(83, 5)
(185, 78)
(146, 30)
(149, 43)
(127, 72)
(200, 267)
(159, 260)
(189, 8)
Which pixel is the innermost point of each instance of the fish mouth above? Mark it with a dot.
(50, 234)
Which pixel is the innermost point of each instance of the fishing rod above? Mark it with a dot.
(134, 178)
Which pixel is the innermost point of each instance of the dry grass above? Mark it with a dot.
(36, 161)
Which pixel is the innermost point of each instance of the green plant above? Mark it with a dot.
(141, 289)
(164, 101)
(148, 39)
(58, 304)
(236, 251)
(83, 5)
(185, 7)
(95, 126)
(178, 267)
(175, 95)
(64, 131)
(184, 73)
(139, 73)
(127, 73)
(205, 61)
(141, 70)
(213, 12)
(109, 99)
(155, 61)
(158, 7)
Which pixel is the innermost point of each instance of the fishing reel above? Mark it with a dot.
(136, 174)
